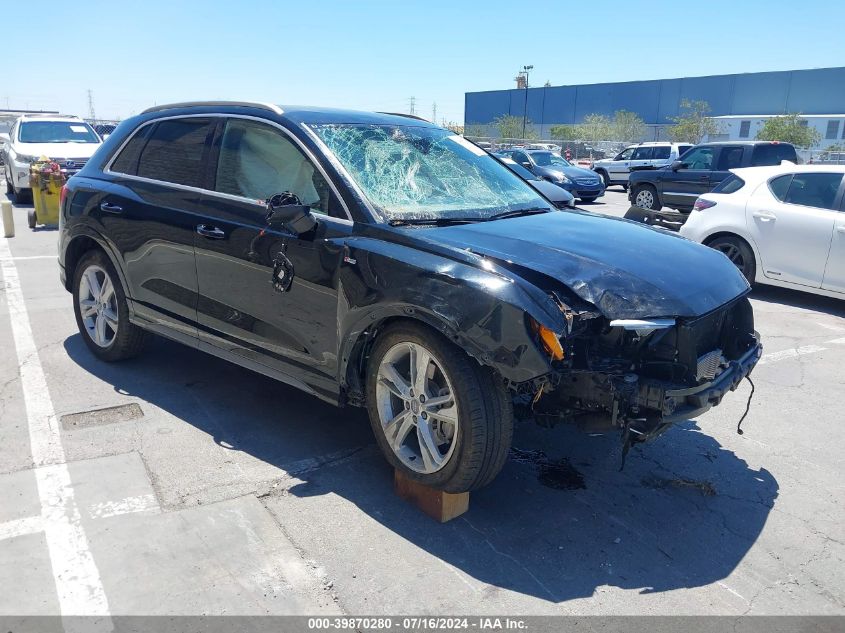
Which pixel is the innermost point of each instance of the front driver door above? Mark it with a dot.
(682, 186)
(620, 167)
(267, 295)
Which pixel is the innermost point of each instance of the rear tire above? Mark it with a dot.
(470, 451)
(645, 197)
(104, 325)
(739, 252)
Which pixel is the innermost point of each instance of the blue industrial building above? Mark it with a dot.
(817, 91)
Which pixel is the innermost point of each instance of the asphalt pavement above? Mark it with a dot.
(176, 483)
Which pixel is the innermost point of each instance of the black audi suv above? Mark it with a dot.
(380, 261)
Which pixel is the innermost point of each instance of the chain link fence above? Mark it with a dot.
(582, 152)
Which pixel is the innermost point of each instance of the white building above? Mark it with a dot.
(739, 127)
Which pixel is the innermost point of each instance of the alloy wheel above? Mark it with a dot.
(98, 305)
(733, 253)
(416, 407)
(644, 199)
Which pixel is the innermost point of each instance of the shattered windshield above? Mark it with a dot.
(411, 172)
(546, 159)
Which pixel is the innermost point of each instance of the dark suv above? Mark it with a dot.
(699, 170)
(380, 261)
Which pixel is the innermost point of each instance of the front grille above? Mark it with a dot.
(587, 181)
(77, 163)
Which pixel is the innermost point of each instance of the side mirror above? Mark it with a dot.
(526, 164)
(678, 164)
(294, 217)
(4, 136)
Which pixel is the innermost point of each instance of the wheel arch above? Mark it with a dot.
(78, 246)
(712, 237)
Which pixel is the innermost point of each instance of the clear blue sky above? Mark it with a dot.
(377, 54)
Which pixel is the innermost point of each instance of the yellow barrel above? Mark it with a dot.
(46, 181)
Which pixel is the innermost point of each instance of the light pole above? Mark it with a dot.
(525, 71)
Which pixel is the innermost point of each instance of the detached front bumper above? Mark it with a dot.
(682, 404)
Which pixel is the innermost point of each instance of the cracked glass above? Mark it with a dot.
(413, 172)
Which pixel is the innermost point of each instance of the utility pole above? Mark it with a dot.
(525, 71)
(413, 101)
(91, 114)
(434, 113)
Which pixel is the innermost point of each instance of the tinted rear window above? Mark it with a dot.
(729, 185)
(126, 161)
(773, 154)
(174, 151)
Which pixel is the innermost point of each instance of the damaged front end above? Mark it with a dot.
(639, 376)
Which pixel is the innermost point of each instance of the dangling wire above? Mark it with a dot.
(747, 406)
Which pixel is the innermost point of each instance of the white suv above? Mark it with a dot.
(68, 140)
(615, 170)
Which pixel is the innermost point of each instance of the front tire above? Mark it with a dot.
(645, 197)
(590, 199)
(102, 313)
(439, 417)
(739, 252)
(605, 178)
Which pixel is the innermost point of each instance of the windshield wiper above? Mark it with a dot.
(431, 221)
(517, 213)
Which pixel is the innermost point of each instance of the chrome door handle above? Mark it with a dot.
(108, 207)
(765, 217)
(210, 231)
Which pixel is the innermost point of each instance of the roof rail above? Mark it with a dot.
(407, 116)
(242, 104)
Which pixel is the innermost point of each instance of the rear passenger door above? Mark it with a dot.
(149, 211)
(791, 219)
(242, 309)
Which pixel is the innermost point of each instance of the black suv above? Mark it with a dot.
(699, 170)
(380, 261)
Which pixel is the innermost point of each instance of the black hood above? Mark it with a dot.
(625, 269)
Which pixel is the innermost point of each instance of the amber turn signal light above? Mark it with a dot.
(550, 340)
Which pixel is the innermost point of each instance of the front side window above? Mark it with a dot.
(642, 153)
(174, 151)
(57, 132)
(626, 154)
(699, 158)
(258, 161)
(814, 190)
(409, 172)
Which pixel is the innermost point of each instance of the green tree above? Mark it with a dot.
(789, 129)
(564, 132)
(595, 128)
(693, 124)
(510, 126)
(627, 127)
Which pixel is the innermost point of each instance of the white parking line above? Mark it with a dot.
(27, 257)
(78, 584)
(792, 352)
(141, 503)
(21, 527)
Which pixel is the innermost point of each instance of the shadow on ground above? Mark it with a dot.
(683, 513)
(798, 299)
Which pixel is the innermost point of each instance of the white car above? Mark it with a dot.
(615, 171)
(68, 140)
(782, 225)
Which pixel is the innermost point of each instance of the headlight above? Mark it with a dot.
(560, 178)
(23, 158)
